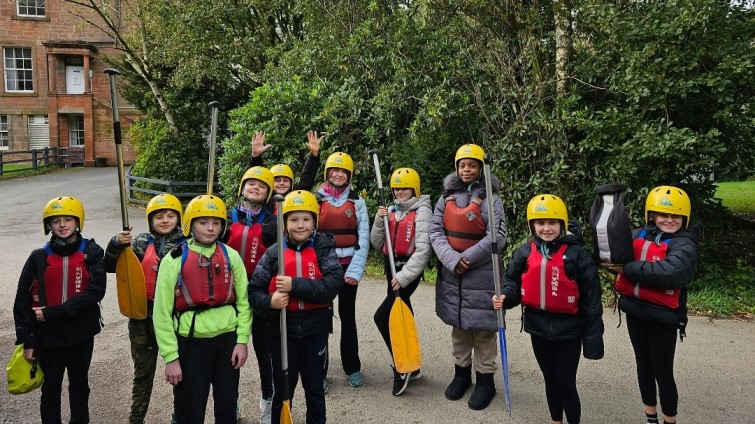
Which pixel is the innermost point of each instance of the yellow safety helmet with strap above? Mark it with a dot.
(469, 151)
(63, 206)
(259, 173)
(204, 206)
(301, 201)
(339, 160)
(668, 199)
(163, 201)
(282, 170)
(406, 178)
(547, 206)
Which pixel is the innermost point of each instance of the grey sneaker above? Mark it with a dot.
(266, 410)
(355, 379)
(325, 386)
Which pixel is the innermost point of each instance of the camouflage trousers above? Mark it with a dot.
(144, 355)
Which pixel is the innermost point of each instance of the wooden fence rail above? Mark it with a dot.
(170, 187)
(36, 158)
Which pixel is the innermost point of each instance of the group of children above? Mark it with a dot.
(212, 281)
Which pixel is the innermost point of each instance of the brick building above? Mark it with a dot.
(54, 92)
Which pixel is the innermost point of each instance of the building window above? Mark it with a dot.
(18, 69)
(34, 8)
(75, 130)
(4, 138)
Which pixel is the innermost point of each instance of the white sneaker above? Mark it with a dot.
(266, 410)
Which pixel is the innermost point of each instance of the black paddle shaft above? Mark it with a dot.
(111, 72)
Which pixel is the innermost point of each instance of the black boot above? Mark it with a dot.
(483, 392)
(460, 384)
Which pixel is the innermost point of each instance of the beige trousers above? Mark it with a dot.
(478, 346)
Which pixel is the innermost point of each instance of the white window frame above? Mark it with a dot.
(31, 8)
(11, 61)
(75, 132)
(4, 132)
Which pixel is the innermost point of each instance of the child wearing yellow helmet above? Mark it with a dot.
(409, 225)
(343, 213)
(653, 294)
(56, 309)
(556, 281)
(313, 278)
(461, 239)
(202, 315)
(163, 215)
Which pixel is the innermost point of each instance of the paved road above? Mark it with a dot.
(715, 365)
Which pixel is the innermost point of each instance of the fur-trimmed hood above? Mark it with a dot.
(452, 183)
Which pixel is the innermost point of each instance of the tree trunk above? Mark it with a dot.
(563, 23)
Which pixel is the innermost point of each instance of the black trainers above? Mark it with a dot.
(416, 375)
(400, 381)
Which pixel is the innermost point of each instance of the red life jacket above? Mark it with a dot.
(204, 282)
(65, 277)
(648, 250)
(150, 265)
(402, 234)
(464, 227)
(247, 240)
(546, 286)
(340, 221)
(300, 264)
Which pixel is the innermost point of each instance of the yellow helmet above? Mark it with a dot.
(63, 206)
(203, 206)
(547, 206)
(282, 170)
(163, 201)
(670, 200)
(469, 151)
(259, 173)
(339, 160)
(301, 201)
(406, 178)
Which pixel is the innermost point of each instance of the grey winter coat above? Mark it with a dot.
(463, 301)
(415, 265)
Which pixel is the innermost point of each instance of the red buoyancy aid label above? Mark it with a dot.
(300, 264)
(402, 234)
(464, 227)
(646, 250)
(247, 240)
(546, 286)
(65, 278)
(150, 266)
(340, 221)
(205, 282)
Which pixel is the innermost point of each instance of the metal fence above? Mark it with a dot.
(173, 187)
(36, 158)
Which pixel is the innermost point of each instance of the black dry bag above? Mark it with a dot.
(610, 226)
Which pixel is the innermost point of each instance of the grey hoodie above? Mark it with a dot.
(416, 264)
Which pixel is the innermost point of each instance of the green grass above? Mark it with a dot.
(15, 170)
(738, 196)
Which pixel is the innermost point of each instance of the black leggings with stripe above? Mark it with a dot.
(654, 348)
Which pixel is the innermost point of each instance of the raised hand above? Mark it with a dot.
(258, 144)
(313, 143)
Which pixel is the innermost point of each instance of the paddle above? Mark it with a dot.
(286, 410)
(129, 276)
(407, 355)
(213, 143)
(497, 280)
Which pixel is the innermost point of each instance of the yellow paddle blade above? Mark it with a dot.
(132, 290)
(286, 413)
(407, 355)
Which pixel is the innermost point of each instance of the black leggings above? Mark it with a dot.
(654, 347)
(383, 312)
(347, 304)
(261, 345)
(558, 361)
